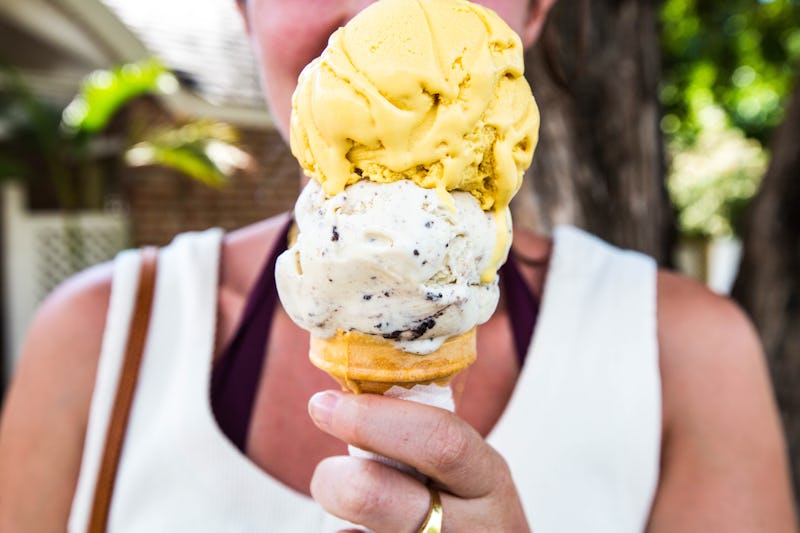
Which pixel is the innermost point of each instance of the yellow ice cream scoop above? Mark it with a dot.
(425, 90)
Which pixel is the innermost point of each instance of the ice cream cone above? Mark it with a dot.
(365, 363)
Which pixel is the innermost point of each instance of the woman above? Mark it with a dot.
(711, 458)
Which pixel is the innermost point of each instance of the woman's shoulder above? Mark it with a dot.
(47, 405)
(63, 342)
(709, 349)
(68, 326)
(697, 326)
(722, 438)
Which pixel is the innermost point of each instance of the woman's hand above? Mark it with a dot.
(476, 488)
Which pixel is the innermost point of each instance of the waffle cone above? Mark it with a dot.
(365, 363)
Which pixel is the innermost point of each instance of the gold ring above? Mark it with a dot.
(433, 522)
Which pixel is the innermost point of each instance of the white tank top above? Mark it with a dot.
(581, 434)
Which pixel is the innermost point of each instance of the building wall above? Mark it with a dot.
(164, 203)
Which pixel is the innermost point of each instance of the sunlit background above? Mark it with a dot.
(728, 69)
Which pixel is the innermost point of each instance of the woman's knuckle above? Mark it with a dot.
(364, 495)
(451, 445)
(501, 470)
(355, 503)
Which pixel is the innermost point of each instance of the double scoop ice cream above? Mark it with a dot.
(415, 125)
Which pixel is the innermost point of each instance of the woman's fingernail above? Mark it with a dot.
(321, 406)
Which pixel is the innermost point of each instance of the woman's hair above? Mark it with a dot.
(565, 47)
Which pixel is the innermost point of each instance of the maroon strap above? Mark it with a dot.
(129, 374)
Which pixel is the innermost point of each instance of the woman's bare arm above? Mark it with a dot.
(46, 410)
(724, 460)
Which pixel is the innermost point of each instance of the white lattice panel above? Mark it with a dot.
(42, 250)
(59, 253)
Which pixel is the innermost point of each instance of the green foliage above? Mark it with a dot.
(11, 168)
(713, 180)
(740, 55)
(728, 70)
(203, 150)
(24, 116)
(104, 92)
(31, 132)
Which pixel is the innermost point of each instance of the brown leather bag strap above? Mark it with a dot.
(126, 387)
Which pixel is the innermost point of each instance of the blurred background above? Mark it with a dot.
(670, 127)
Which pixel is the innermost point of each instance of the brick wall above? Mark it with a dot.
(164, 203)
